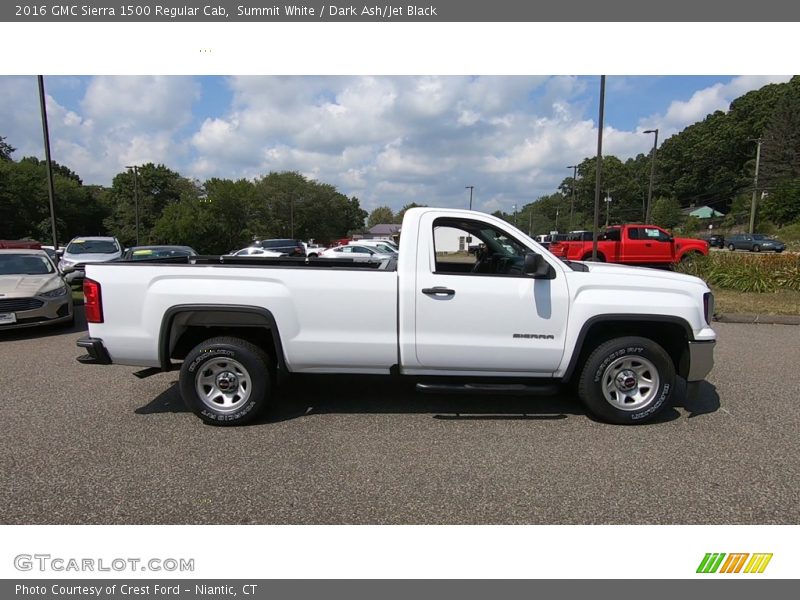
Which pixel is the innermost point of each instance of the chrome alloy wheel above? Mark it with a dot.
(630, 382)
(223, 384)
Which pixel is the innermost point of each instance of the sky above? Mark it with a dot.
(387, 140)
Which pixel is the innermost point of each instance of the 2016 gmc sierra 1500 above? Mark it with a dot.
(513, 313)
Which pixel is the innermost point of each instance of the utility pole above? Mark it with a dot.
(515, 215)
(50, 188)
(599, 171)
(754, 203)
(470, 188)
(646, 210)
(136, 196)
(574, 185)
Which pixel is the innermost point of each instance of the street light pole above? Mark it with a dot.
(608, 207)
(136, 196)
(50, 187)
(574, 185)
(515, 215)
(646, 210)
(754, 203)
(470, 188)
(599, 171)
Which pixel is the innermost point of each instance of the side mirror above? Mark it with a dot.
(536, 266)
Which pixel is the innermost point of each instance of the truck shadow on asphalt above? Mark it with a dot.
(304, 396)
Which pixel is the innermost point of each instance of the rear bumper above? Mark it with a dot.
(701, 360)
(96, 352)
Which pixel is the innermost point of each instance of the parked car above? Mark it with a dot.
(313, 250)
(85, 250)
(355, 252)
(634, 245)
(382, 246)
(283, 246)
(148, 252)
(755, 242)
(32, 291)
(716, 240)
(23, 244)
(256, 251)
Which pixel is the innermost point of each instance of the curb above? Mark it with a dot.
(762, 319)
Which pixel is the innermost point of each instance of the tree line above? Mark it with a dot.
(216, 216)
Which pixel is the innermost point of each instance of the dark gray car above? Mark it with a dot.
(755, 242)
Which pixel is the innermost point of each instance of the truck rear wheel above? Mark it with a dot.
(225, 380)
(627, 380)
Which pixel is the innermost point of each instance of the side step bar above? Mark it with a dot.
(517, 389)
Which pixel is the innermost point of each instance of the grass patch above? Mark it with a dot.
(782, 302)
(746, 272)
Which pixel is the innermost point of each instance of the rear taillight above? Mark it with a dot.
(92, 301)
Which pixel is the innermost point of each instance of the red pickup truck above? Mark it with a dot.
(634, 245)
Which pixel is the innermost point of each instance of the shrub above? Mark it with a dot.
(746, 273)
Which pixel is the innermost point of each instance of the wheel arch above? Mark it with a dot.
(186, 325)
(671, 333)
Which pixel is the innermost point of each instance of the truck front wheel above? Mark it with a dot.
(627, 380)
(225, 380)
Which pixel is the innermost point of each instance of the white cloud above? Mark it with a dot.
(387, 140)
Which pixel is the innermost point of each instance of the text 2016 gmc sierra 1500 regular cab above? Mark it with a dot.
(514, 313)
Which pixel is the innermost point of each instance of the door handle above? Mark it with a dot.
(438, 291)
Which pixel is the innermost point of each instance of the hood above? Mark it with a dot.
(25, 286)
(661, 274)
(90, 258)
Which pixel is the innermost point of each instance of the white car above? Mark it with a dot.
(85, 250)
(256, 251)
(356, 252)
(382, 246)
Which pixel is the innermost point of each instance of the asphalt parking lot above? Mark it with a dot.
(84, 444)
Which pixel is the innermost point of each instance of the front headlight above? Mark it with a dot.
(59, 291)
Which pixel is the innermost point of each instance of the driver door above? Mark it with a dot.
(481, 314)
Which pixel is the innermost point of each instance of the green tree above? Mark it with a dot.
(158, 187)
(402, 213)
(25, 204)
(382, 214)
(666, 212)
(6, 149)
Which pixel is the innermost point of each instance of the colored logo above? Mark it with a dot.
(719, 562)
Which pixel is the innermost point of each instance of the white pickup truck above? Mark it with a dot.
(514, 317)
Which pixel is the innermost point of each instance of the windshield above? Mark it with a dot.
(92, 247)
(386, 249)
(146, 253)
(25, 264)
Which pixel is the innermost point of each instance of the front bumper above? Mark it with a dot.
(97, 353)
(701, 359)
(35, 311)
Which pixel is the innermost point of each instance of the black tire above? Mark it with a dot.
(731, 247)
(690, 256)
(220, 363)
(612, 365)
(756, 248)
(600, 257)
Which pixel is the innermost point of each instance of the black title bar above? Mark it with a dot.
(423, 11)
